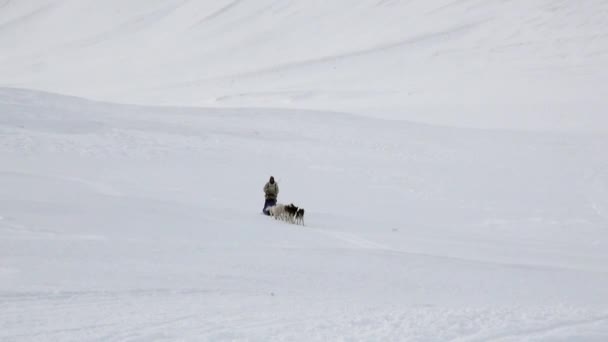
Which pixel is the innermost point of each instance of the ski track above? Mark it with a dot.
(217, 13)
(361, 243)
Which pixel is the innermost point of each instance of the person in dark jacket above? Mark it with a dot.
(271, 192)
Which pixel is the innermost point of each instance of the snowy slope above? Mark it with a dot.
(124, 223)
(522, 64)
(450, 155)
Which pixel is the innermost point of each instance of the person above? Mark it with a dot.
(271, 192)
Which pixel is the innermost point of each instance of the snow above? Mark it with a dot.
(518, 64)
(450, 156)
(130, 222)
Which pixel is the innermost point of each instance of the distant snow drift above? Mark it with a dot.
(504, 64)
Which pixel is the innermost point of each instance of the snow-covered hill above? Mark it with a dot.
(522, 64)
(142, 223)
(450, 156)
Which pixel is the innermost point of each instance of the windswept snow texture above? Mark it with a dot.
(538, 64)
(131, 223)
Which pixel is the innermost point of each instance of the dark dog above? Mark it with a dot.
(291, 211)
(294, 214)
(299, 216)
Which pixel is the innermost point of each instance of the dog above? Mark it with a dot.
(299, 219)
(291, 211)
(278, 212)
(288, 213)
(294, 214)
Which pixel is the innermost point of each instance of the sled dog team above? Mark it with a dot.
(288, 213)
